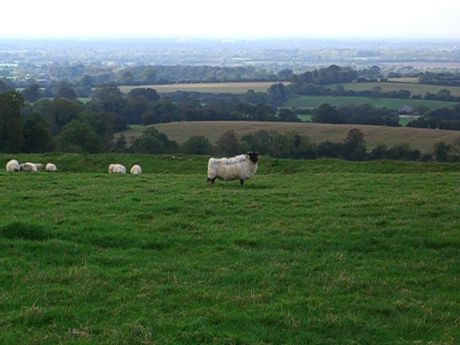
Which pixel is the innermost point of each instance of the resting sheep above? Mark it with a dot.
(136, 169)
(29, 167)
(12, 165)
(117, 169)
(240, 167)
(50, 167)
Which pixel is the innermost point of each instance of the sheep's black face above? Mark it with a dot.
(253, 156)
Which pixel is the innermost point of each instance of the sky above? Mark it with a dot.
(336, 19)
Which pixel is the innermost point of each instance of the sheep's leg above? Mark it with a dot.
(211, 180)
(241, 182)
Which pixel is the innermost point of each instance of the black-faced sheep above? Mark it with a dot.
(240, 167)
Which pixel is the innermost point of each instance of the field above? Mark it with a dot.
(240, 87)
(392, 103)
(307, 252)
(414, 88)
(418, 138)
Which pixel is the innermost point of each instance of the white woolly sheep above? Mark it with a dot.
(50, 167)
(12, 165)
(136, 169)
(117, 169)
(29, 167)
(240, 167)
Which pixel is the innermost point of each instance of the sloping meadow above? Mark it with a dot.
(318, 252)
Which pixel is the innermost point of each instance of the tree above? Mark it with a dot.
(198, 145)
(354, 146)
(287, 115)
(326, 114)
(227, 144)
(78, 136)
(108, 98)
(148, 94)
(65, 90)
(120, 144)
(32, 93)
(37, 135)
(11, 131)
(441, 152)
(152, 141)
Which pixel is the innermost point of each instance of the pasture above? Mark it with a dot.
(418, 138)
(391, 103)
(414, 88)
(317, 252)
(237, 87)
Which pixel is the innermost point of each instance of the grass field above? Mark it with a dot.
(308, 252)
(418, 138)
(404, 80)
(392, 103)
(414, 88)
(240, 87)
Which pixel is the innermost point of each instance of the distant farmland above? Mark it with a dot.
(392, 103)
(236, 88)
(418, 138)
(414, 88)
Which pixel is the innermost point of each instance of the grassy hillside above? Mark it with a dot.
(414, 88)
(392, 103)
(419, 138)
(326, 256)
(240, 87)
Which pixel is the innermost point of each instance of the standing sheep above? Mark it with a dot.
(50, 167)
(12, 165)
(117, 169)
(136, 169)
(240, 167)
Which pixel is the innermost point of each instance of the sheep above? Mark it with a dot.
(136, 169)
(117, 169)
(240, 167)
(50, 167)
(29, 167)
(12, 165)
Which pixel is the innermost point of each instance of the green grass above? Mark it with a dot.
(304, 117)
(392, 103)
(307, 252)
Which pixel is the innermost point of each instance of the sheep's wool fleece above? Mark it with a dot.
(29, 167)
(238, 167)
(136, 169)
(50, 167)
(12, 165)
(117, 169)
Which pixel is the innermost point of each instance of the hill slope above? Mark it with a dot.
(418, 138)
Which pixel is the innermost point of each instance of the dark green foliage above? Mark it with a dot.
(37, 135)
(32, 93)
(152, 141)
(79, 136)
(227, 144)
(441, 152)
(198, 145)
(11, 131)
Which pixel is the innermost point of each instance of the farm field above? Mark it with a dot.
(392, 103)
(338, 252)
(418, 138)
(414, 88)
(238, 87)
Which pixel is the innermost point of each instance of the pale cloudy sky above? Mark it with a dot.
(231, 19)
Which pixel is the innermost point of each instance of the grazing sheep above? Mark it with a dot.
(12, 165)
(239, 167)
(117, 169)
(50, 167)
(29, 167)
(136, 169)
